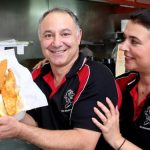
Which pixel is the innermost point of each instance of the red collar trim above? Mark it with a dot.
(49, 79)
(137, 107)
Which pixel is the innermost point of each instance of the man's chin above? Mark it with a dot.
(58, 64)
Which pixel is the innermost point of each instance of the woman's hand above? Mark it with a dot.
(110, 122)
(41, 63)
(110, 126)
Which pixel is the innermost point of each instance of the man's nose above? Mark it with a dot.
(56, 41)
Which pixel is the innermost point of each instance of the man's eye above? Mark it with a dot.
(47, 36)
(65, 34)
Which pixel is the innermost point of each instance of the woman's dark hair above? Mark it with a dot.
(142, 17)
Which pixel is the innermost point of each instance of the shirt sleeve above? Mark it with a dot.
(101, 84)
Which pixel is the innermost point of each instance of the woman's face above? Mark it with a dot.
(136, 47)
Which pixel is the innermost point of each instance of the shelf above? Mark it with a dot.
(133, 3)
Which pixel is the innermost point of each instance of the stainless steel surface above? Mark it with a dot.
(14, 144)
(94, 16)
(19, 20)
(96, 22)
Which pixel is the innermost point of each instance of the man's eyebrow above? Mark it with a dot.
(47, 31)
(63, 30)
(66, 30)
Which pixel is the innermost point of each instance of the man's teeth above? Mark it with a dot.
(58, 51)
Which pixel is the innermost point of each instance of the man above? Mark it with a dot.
(72, 85)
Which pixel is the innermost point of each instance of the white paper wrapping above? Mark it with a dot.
(31, 95)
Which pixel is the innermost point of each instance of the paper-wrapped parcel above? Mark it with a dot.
(30, 94)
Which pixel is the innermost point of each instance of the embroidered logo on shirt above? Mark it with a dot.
(147, 113)
(146, 124)
(68, 98)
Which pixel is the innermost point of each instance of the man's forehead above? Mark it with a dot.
(58, 20)
(59, 15)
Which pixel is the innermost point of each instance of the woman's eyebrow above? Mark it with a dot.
(134, 37)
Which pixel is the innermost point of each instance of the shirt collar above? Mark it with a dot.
(79, 63)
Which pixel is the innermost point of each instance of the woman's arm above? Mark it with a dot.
(41, 63)
(110, 126)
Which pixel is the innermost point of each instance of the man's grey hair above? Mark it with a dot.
(62, 10)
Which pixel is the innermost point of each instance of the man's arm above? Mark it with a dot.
(48, 139)
(60, 139)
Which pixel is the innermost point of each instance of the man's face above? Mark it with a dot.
(59, 39)
(136, 47)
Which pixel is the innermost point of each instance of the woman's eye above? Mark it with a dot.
(134, 42)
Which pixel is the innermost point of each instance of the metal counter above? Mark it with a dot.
(15, 144)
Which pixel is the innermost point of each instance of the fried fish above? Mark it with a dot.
(9, 93)
(3, 68)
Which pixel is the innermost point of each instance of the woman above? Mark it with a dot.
(134, 106)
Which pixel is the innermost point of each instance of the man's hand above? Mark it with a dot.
(9, 127)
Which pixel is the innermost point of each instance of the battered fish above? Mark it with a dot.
(3, 68)
(10, 94)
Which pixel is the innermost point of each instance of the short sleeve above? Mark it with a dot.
(101, 84)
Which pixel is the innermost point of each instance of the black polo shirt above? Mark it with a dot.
(70, 105)
(134, 119)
